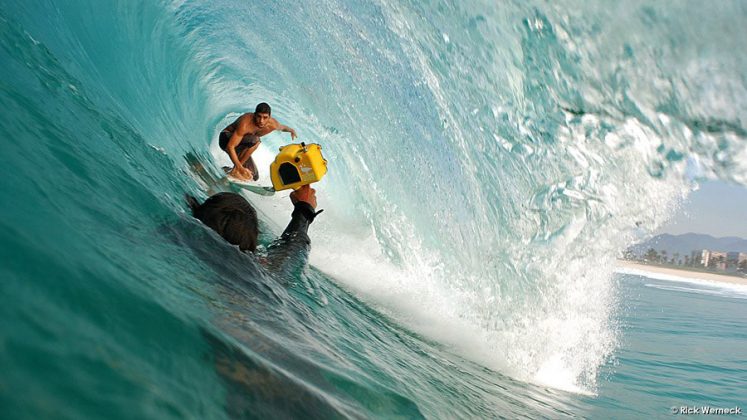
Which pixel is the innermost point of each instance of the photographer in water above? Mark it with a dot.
(233, 218)
(254, 386)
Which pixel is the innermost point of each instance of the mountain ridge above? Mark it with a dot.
(684, 244)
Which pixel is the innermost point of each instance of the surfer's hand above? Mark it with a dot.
(242, 173)
(305, 194)
(293, 134)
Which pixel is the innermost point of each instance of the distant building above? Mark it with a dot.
(700, 257)
(735, 259)
(717, 259)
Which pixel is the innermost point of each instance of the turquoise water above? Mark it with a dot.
(682, 345)
(487, 163)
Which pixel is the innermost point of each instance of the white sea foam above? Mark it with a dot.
(710, 286)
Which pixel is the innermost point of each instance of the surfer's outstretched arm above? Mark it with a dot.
(285, 129)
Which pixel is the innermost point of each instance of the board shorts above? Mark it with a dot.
(246, 142)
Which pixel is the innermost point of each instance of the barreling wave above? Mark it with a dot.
(488, 161)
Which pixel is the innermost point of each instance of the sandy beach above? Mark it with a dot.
(629, 266)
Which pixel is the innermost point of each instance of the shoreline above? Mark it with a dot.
(685, 275)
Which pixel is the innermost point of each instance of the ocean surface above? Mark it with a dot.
(488, 161)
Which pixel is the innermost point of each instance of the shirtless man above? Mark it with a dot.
(241, 138)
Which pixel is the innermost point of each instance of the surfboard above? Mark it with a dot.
(251, 186)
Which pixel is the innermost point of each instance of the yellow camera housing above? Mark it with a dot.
(297, 165)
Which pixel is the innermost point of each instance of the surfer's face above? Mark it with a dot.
(261, 119)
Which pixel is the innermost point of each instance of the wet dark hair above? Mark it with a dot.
(263, 108)
(231, 216)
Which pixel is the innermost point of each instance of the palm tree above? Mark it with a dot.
(651, 255)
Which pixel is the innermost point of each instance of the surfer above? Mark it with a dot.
(242, 137)
(233, 218)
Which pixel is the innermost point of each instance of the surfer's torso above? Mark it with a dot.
(253, 129)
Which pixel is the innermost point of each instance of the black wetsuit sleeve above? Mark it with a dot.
(289, 253)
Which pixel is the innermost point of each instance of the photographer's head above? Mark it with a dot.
(235, 219)
(231, 216)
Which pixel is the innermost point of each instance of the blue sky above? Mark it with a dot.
(717, 209)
